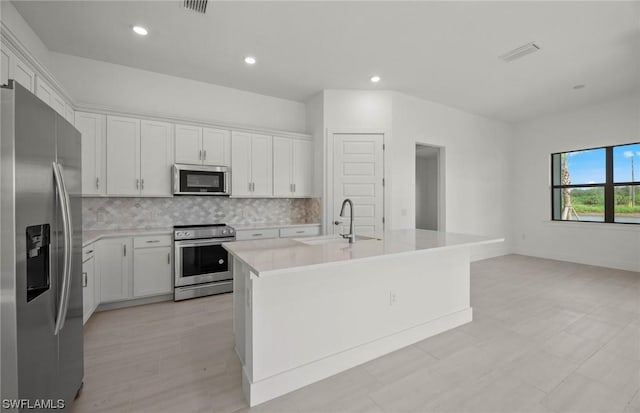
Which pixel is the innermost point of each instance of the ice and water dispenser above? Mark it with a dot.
(38, 251)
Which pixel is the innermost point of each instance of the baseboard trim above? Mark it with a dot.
(131, 303)
(285, 382)
(592, 260)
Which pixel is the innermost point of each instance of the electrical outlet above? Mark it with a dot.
(392, 298)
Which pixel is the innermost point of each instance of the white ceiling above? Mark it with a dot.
(445, 52)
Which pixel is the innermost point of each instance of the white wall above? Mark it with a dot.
(108, 85)
(475, 157)
(612, 245)
(476, 169)
(13, 21)
(427, 192)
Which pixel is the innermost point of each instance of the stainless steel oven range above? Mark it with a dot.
(202, 266)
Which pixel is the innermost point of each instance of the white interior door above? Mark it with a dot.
(358, 171)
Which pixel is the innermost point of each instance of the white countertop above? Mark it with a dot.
(270, 225)
(271, 255)
(91, 236)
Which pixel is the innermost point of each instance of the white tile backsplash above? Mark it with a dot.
(127, 213)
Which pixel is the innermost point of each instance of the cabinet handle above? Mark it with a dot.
(204, 155)
(300, 232)
(142, 184)
(85, 281)
(168, 258)
(137, 184)
(89, 252)
(257, 235)
(152, 241)
(97, 183)
(124, 249)
(200, 154)
(249, 186)
(294, 187)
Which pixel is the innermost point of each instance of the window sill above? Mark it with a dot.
(593, 225)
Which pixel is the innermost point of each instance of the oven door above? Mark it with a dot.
(200, 180)
(201, 261)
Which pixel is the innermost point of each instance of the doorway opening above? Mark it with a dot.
(428, 187)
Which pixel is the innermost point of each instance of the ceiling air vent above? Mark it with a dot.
(199, 6)
(519, 52)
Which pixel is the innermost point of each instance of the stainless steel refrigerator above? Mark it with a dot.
(40, 251)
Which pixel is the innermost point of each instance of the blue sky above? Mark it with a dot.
(588, 166)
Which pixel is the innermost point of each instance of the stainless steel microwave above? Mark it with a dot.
(200, 180)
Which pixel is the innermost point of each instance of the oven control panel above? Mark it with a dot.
(203, 232)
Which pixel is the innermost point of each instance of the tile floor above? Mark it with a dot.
(547, 336)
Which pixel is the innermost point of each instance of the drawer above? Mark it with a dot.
(300, 231)
(152, 241)
(244, 235)
(88, 252)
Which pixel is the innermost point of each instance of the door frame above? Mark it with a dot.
(440, 158)
(327, 215)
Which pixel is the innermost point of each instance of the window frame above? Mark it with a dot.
(609, 186)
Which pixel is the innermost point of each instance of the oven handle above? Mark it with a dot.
(202, 243)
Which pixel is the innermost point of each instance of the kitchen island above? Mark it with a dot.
(308, 308)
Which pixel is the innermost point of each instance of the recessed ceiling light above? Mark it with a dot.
(250, 60)
(576, 87)
(140, 30)
(375, 79)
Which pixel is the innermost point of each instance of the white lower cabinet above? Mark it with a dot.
(89, 301)
(152, 271)
(115, 265)
(126, 268)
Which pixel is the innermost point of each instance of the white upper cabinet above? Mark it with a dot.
(44, 91)
(156, 158)
(21, 73)
(241, 164)
(69, 113)
(59, 104)
(291, 167)
(252, 163)
(123, 156)
(188, 144)
(302, 168)
(202, 146)
(4, 66)
(216, 147)
(282, 167)
(92, 128)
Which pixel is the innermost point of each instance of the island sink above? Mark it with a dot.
(306, 309)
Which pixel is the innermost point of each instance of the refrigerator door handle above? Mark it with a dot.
(63, 197)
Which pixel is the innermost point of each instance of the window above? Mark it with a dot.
(597, 185)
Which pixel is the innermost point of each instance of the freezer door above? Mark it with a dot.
(70, 348)
(35, 206)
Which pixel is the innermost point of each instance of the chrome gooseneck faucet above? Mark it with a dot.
(351, 236)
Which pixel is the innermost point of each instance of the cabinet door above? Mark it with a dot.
(216, 147)
(152, 271)
(188, 144)
(123, 156)
(58, 104)
(240, 164)
(44, 92)
(22, 73)
(282, 167)
(114, 263)
(69, 113)
(4, 66)
(92, 128)
(261, 165)
(156, 158)
(88, 289)
(302, 168)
